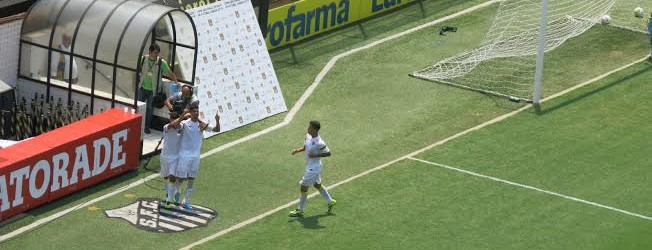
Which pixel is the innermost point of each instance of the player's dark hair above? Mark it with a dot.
(154, 47)
(315, 124)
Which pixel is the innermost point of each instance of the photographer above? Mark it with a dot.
(182, 101)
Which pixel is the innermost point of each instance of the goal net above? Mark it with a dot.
(504, 62)
(623, 11)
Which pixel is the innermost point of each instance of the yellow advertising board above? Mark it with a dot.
(294, 22)
(373, 7)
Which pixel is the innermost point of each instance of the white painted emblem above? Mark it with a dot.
(150, 214)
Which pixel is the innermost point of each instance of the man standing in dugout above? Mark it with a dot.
(60, 63)
(152, 68)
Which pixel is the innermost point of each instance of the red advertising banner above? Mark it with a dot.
(62, 161)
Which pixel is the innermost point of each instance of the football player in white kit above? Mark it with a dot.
(315, 149)
(190, 149)
(170, 155)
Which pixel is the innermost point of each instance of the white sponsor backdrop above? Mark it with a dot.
(234, 74)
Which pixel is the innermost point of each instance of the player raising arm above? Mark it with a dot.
(190, 150)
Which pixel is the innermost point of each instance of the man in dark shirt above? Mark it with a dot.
(182, 101)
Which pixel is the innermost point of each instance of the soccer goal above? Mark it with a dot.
(509, 60)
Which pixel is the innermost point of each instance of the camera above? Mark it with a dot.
(445, 29)
(178, 106)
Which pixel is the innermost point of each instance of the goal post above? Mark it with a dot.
(538, 75)
(509, 60)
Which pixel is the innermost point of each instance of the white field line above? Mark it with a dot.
(492, 121)
(288, 118)
(297, 106)
(407, 156)
(534, 188)
(71, 209)
(329, 65)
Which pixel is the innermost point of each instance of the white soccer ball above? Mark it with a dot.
(606, 19)
(639, 12)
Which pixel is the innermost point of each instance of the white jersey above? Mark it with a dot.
(315, 145)
(171, 142)
(191, 138)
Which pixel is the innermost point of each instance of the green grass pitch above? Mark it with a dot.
(590, 144)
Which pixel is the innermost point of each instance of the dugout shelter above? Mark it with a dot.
(108, 39)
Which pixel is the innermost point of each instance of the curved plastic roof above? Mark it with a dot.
(113, 32)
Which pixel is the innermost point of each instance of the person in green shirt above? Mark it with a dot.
(150, 78)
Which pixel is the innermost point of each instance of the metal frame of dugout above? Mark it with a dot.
(108, 39)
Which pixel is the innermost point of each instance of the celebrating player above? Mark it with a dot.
(315, 149)
(170, 155)
(190, 150)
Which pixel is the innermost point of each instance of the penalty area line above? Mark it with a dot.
(412, 154)
(295, 110)
(568, 197)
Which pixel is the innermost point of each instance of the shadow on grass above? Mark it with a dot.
(542, 111)
(503, 103)
(311, 222)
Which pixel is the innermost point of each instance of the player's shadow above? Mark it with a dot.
(311, 222)
(542, 111)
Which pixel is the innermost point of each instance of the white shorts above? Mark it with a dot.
(310, 178)
(188, 167)
(168, 165)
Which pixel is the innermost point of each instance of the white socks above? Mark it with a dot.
(302, 200)
(188, 191)
(177, 188)
(169, 188)
(324, 193)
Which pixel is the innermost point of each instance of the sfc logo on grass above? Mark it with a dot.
(150, 214)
